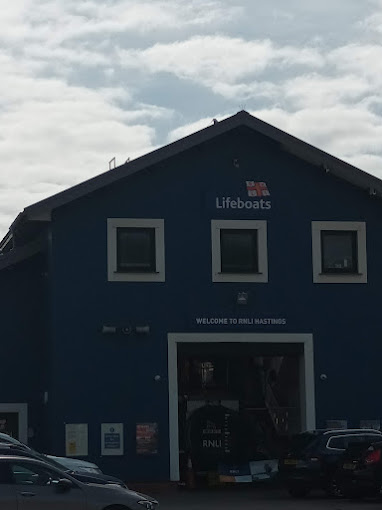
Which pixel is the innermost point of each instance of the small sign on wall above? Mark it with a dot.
(147, 438)
(336, 424)
(112, 439)
(370, 424)
(76, 439)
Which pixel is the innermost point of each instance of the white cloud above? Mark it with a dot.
(365, 60)
(351, 133)
(54, 135)
(217, 60)
(59, 21)
(86, 80)
(314, 90)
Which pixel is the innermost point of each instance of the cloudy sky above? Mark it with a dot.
(83, 81)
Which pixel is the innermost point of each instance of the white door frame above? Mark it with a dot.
(22, 410)
(306, 377)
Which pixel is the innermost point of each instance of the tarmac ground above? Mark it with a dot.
(254, 498)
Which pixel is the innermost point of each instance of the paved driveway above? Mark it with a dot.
(256, 499)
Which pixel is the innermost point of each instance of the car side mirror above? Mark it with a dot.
(63, 485)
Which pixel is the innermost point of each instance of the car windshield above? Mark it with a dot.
(52, 462)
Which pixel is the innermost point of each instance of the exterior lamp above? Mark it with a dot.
(142, 330)
(106, 330)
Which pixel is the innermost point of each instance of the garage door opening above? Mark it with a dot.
(237, 402)
(14, 421)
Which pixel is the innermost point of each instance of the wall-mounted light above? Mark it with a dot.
(242, 298)
(107, 330)
(142, 330)
(127, 330)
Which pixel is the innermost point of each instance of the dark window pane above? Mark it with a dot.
(29, 474)
(339, 251)
(135, 250)
(238, 248)
(338, 442)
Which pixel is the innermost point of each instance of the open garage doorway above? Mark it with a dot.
(236, 397)
(14, 420)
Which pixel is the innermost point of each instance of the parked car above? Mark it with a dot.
(82, 476)
(25, 480)
(76, 465)
(312, 459)
(360, 471)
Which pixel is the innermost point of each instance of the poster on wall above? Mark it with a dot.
(336, 424)
(147, 438)
(76, 439)
(370, 424)
(112, 439)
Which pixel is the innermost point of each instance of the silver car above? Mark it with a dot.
(29, 484)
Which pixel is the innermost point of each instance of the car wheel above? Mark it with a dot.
(298, 491)
(333, 489)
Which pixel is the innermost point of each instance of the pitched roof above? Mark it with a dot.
(42, 210)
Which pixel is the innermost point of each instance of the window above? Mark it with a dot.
(136, 250)
(338, 443)
(239, 251)
(339, 252)
(30, 474)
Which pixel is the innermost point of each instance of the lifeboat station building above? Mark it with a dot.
(204, 302)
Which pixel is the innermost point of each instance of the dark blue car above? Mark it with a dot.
(312, 459)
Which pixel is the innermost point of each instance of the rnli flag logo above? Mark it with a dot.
(257, 189)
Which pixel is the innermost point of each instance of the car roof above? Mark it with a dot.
(352, 431)
(26, 458)
(20, 457)
(319, 432)
(11, 445)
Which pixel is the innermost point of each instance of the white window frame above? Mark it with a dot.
(113, 274)
(357, 226)
(261, 226)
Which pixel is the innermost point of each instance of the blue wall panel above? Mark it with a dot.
(24, 334)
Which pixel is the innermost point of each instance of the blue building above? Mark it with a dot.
(238, 266)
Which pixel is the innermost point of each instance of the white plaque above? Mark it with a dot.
(112, 439)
